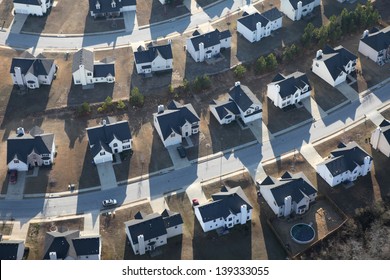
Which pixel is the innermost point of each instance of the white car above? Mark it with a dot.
(109, 202)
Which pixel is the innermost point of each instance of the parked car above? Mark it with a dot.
(181, 151)
(13, 176)
(109, 202)
(195, 202)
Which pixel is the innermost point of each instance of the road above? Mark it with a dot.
(156, 186)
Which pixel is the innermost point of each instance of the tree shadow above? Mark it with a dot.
(75, 129)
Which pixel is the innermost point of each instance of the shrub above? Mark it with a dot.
(121, 105)
(85, 108)
(260, 65)
(240, 71)
(136, 98)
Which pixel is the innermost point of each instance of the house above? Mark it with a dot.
(380, 138)
(242, 104)
(32, 7)
(25, 150)
(345, 164)
(176, 122)
(208, 45)
(376, 45)
(288, 90)
(228, 208)
(110, 8)
(290, 194)
(87, 72)
(69, 245)
(11, 249)
(256, 26)
(154, 59)
(108, 139)
(334, 64)
(147, 232)
(296, 9)
(32, 72)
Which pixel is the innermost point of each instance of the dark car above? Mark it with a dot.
(181, 151)
(13, 176)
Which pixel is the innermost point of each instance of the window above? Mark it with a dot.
(161, 241)
(136, 251)
(156, 238)
(16, 161)
(89, 74)
(77, 81)
(317, 65)
(102, 153)
(175, 226)
(115, 145)
(214, 221)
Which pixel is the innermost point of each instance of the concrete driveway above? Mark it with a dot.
(177, 161)
(195, 191)
(106, 175)
(16, 191)
(348, 91)
(130, 19)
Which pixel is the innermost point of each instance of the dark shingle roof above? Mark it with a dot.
(151, 226)
(242, 96)
(346, 158)
(149, 55)
(29, 64)
(250, 21)
(100, 136)
(209, 39)
(103, 70)
(175, 117)
(22, 146)
(379, 40)
(272, 14)
(59, 242)
(294, 3)
(335, 59)
(226, 202)
(171, 219)
(9, 249)
(83, 57)
(29, 2)
(289, 84)
(294, 185)
(225, 108)
(106, 7)
(86, 245)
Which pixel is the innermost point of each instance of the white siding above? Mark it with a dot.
(174, 231)
(366, 50)
(269, 198)
(248, 34)
(102, 156)
(226, 120)
(30, 9)
(319, 68)
(379, 142)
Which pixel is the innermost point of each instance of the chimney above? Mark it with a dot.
(237, 84)
(169, 41)
(319, 54)
(366, 167)
(201, 52)
(104, 122)
(299, 10)
(160, 109)
(18, 76)
(97, 5)
(244, 214)
(365, 34)
(287, 205)
(141, 244)
(53, 255)
(258, 31)
(20, 131)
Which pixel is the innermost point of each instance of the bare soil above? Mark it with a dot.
(6, 17)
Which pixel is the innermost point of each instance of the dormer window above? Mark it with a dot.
(113, 4)
(16, 161)
(102, 153)
(115, 145)
(97, 5)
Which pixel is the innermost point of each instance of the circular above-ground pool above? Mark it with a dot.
(302, 233)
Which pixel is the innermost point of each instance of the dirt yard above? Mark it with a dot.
(37, 233)
(5, 229)
(6, 17)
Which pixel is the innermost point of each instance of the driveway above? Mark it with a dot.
(18, 23)
(130, 19)
(106, 175)
(16, 191)
(195, 191)
(348, 91)
(313, 108)
(177, 161)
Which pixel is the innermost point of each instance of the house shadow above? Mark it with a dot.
(160, 31)
(217, 10)
(75, 129)
(158, 80)
(77, 95)
(89, 175)
(36, 24)
(122, 168)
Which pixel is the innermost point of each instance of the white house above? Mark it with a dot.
(288, 90)
(228, 208)
(32, 72)
(147, 232)
(376, 45)
(256, 26)
(110, 8)
(345, 164)
(333, 65)
(242, 103)
(109, 138)
(296, 9)
(26, 150)
(176, 122)
(204, 46)
(87, 72)
(69, 245)
(32, 7)
(11, 249)
(380, 138)
(154, 59)
(290, 194)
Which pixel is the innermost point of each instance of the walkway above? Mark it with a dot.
(16, 191)
(311, 155)
(91, 224)
(260, 131)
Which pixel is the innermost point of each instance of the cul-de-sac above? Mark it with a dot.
(194, 129)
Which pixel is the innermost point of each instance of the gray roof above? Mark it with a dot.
(83, 57)
(30, 64)
(175, 117)
(171, 219)
(336, 58)
(226, 202)
(104, 70)
(59, 242)
(21, 146)
(272, 14)
(145, 56)
(225, 108)
(294, 185)
(378, 40)
(151, 226)
(289, 84)
(106, 7)
(294, 3)
(29, 2)
(100, 136)
(9, 249)
(346, 158)
(250, 21)
(86, 245)
(243, 97)
(209, 39)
